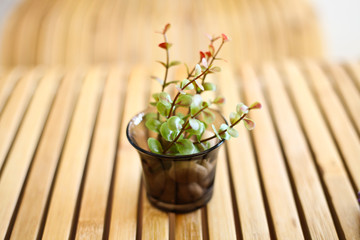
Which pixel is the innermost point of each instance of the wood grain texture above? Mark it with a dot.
(155, 223)
(70, 172)
(188, 226)
(242, 165)
(354, 71)
(71, 169)
(128, 169)
(101, 159)
(219, 210)
(271, 163)
(7, 84)
(12, 115)
(81, 32)
(348, 92)
(21, 153)
(327, 157)
(345, 134)
(307, 183)
(46, 159)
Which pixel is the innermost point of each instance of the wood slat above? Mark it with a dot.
(13, 113)
(101, 160)
(127, 176)
(21, 154)
(331, 169)
(344, 132)
(36, 193)
(243, 170)
(219, 210)
(271, 163)
(307, 183)
(188, 226)
(7, 84)
(354, 70)
(155, 223)
(71, 169)
(348, 92)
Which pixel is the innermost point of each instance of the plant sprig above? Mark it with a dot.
(180, 132)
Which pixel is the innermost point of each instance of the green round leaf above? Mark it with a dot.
(249, 124)
(208, 116)
(216, 132)
(156, 96)
(255, 105)
(194, 124)
(165, 132)
(209, 86)
(215, 69)
(179, 89)
(199, 131)
(242, 109)
(197, 100)
(197, 70)
(155, 146)
(234, 117)
(184, 100)
(175, 123)
(233, 132)
(185, 146)
(150, 115)
(184, 82)
(196, 104)
(165, 98)
(199, 85)
(163, 109)
(153, 124)
(225, 135)
(174, 63)
(219, 100)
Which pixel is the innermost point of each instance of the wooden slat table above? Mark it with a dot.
(68, 171)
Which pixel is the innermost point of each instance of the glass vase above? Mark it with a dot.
(180, 183)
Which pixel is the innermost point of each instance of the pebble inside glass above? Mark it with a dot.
(175, 183)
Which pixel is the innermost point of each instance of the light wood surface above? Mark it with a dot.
(69, 172)
(69, 175)
(45, 162)
(338, 186)
(126, 190)
(271, 163)
(109, 31)
(306, 183)
(20, 156)
(243, 168)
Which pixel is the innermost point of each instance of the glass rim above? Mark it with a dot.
(177, 157)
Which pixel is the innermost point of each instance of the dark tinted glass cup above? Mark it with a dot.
(175, 183)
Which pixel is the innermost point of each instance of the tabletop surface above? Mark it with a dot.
(68, 171)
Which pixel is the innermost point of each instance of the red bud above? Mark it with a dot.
(224, 38)
(165, 45)
(211, 49)
(166, 28)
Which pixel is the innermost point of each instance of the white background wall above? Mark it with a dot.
(340, 21)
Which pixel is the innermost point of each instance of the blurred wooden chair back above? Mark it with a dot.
(71, 32)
